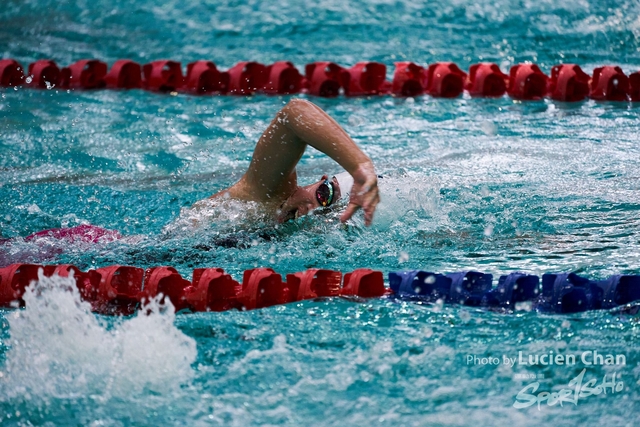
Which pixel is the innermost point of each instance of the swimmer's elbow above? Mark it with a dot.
(296, 105)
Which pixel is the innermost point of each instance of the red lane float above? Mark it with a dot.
(43, 74)
(314, 283)
(118, 289)
(324, 78)
(527, 82)
(84, 74)
(203, 77)
(486, 80)
(263, 287)
(166, 281)
(162, 76)
(634, 86)
(568, 83)
(283, 78)
(87, 283)
(66, 270)
(124, 74)
(365, 78)
(609, 84)
(364, 283)
(213, 290)
(408, 79)
(13, 281)
(247, 78)
(11, 73)
(444, 80)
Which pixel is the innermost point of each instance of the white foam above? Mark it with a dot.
(59, 349)
(408, 200)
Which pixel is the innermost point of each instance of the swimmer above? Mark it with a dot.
(271, 178)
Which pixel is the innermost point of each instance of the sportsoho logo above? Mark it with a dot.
(578, 388)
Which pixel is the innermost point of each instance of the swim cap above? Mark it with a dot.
(345, 182)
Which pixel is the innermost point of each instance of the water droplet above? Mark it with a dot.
(488, 231)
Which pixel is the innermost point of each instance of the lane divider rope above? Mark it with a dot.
(121, 290)
(566, 83)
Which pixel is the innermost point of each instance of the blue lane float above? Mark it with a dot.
(555, 293)
(619, 290)
(466, 287)
(512, 289)
(568, 293)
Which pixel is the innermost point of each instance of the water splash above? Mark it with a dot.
(60, 350)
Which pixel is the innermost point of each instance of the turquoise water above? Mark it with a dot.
(493, 185)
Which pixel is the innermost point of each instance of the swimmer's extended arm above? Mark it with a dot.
(271, 176)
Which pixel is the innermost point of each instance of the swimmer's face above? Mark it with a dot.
(305, 199)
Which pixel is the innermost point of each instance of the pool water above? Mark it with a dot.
(493, 185)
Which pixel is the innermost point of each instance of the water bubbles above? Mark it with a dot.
(430, 279)
(465, 316)
(524, 306)
(34, 209)
(403, 257)
(488, 230)
(58, 348)
(29, 79)
(355, 120)
(489, 128)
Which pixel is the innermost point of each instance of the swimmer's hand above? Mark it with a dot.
(364, 193)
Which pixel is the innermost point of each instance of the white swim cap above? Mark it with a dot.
(345, 182)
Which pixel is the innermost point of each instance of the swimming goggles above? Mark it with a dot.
(324, 193)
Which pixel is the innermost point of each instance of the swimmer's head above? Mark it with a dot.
(321, 194)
